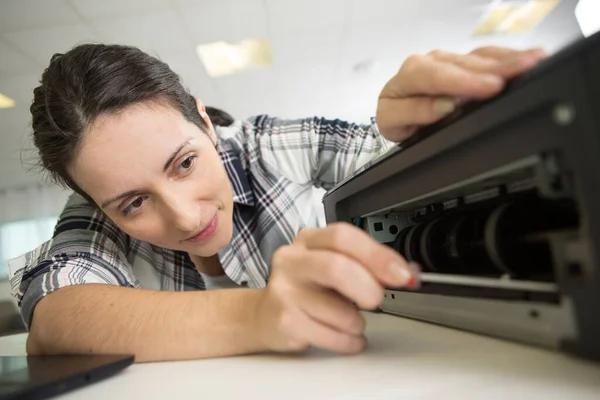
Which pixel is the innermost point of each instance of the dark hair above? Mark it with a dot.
(219, 117)
(91, 80)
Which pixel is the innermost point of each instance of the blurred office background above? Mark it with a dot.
(315, 57)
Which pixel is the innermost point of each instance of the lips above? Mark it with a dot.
(206, 232)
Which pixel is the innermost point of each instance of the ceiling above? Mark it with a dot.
(330, 57)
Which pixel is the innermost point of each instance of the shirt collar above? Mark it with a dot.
(235, 165)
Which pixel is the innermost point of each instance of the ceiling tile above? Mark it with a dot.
(150, 32)
(355, 91)
(94, 9)
(41, 44)
(355, 100)
(404, 11)
(298, 47)
(14, 62)
(306, 91)
(293, 15)
(371, 42)
(249, 93)
(203, 90)
(394, 41)
(183, 62)
(31, 14)
(383, 10)
(228, 20)
(187, 65)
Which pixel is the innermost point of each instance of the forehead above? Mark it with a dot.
(124, 149)
(135, 125)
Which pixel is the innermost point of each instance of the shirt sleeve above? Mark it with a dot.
(86, 248)
(317, 150)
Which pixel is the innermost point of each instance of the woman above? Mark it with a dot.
(168, 205)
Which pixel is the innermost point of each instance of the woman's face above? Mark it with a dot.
(158, 177)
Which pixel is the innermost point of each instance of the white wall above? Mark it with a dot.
(5, 292)
(26, 203)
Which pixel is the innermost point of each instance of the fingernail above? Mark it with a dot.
(414, 281)
(537, 52)
(443, 107)
(401, 273)
(492, 80)
(528, 62)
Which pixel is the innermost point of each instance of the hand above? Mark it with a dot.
(314, 283)
(427, 87)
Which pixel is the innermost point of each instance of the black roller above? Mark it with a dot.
(412, 243)
(401, 240)
(455, 245)
(431, 246)
(465, 245)
(514, 235)
(407, 244)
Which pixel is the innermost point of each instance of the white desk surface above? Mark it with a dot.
(404, 359)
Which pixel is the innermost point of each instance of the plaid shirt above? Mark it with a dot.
(274, 167)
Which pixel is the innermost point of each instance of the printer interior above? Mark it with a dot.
(497, 235)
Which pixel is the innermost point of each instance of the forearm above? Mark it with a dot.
(152, 325)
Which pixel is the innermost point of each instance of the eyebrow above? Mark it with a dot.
(129, 193)
(175, 154)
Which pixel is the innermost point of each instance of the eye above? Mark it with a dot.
(134, 206)
(186, 164)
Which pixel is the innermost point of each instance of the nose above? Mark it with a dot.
(184, 214)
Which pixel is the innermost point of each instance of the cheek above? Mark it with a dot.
(148, 228)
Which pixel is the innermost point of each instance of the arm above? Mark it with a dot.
(78, 293)
(152, 325)
(308, 302)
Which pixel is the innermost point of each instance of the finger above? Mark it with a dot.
(331, 309)
(333, 270)
(501, 53)
(385, 264)
(422, 75)
(517, 65)
(398, 117)
(306, 329)
(506, 67)
(471, 62)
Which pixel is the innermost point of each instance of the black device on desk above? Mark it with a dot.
(500, 204)
(42, 377)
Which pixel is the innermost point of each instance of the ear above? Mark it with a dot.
(205, 117)
(201, 108)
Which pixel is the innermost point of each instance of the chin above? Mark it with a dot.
(213, 245)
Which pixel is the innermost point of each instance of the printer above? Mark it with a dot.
(500, 205)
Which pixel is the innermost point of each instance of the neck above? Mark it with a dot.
(208, 265)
